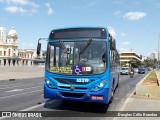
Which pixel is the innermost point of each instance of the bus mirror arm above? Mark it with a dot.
(38, 48)
(112, 44)
(39, 45)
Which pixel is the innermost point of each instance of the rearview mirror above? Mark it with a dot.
(38, 48)
(113, 44)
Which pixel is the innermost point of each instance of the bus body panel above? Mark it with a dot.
(57, 94)
(84, 94)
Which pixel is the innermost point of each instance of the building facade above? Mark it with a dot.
(8, 45)
(29, 57)
(9, 52)
(151, 56)
(126, 58)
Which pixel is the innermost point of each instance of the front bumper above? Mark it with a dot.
(98, 96)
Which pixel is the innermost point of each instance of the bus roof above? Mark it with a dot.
(79, 32)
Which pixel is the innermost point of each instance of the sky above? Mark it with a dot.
(135, 24)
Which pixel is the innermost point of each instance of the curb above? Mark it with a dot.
(133, 92)
(145, 91)
(158, 78)
(13, 79)
(129, 96)
(140, 82)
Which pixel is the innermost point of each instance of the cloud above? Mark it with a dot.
(24, 7)
(14, 9)
(117, 13)
(134, 15)
(20, 2)
(86, 4)
(125, 50)
(123, 34)
(50, 10)
(122, 49)
(90, 4)
(126, 43)
(112, 31)
(118, 2)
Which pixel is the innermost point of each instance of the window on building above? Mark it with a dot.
(9, 52)
(4, 53)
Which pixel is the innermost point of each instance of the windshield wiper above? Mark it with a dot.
(85, 46)
(63, 45)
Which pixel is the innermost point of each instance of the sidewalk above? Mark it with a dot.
(142, 103)
(158, 77)
(13, 72)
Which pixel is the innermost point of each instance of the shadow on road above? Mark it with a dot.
(77, 108)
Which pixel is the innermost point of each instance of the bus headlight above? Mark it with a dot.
(49, 83)
(99, 86)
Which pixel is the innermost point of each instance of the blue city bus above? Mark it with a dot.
(82, 64)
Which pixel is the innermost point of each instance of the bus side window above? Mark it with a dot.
(55, 56)
(113, 58)
(52, 56)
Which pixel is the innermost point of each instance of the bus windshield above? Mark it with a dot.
(78, 57)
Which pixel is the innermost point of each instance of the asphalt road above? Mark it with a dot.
(27, 95)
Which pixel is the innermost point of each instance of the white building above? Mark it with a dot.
(153, 56)
(29, 56)
(127, 57)
(9, 52)
(8, 44)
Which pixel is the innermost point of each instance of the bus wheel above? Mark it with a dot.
(117, 84)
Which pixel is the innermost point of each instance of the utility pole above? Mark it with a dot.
(157, 48)
(158, 51)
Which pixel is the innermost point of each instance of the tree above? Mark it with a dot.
(136, 63)
(149, 63)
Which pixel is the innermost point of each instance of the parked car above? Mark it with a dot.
(124, 71)
(141, 70)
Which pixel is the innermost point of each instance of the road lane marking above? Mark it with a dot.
(15, 90)
(10, 84)
(40, 105)
(20, 86)
(33, 107)
(20, 94)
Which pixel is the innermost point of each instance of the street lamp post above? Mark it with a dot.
(158, 51)
(158, 48)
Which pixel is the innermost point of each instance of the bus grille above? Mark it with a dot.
(76, 88)
(75, 95)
